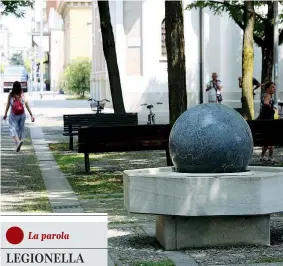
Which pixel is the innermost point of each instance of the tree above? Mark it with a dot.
(15, 7)
(109, 50)
(17, 59)
(76, 76)
(175, 46)
(263, 28)
(27, 64)
(248, 60)
(2, 68)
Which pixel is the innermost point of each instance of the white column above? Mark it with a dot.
(30, 74)
(34, 69)
(120, 39)
(94, 90)
(41, 48)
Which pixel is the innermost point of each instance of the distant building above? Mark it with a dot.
(77, 28)
(56, 44)
(4, 45)
(139, 32)
(40, 9)
(69, 29)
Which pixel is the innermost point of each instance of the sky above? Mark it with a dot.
(20, 30)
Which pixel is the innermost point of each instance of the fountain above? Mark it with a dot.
(211, 197)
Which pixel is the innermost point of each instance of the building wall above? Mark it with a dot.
(146, 70)
(80, 41)
(56, 57)
(133, 32)
(222, 54)
(67, 40)
(49, 5)
(4, 45)
(77, 38)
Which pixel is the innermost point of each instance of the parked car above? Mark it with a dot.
(12, 74)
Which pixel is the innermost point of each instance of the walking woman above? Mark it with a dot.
(267, 111)
(17, 116)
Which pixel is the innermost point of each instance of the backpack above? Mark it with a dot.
(17, 107)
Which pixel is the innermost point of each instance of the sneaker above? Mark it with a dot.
(263, 158)
(19, 146)
(272, 160)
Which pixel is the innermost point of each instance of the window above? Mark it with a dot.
(163, 43)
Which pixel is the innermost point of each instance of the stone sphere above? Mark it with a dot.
(211, 138)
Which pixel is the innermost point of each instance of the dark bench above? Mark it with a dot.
(72, 123)
(156, 137)
(267, 132)
(239, 110)
(280, 109)
(123, 138)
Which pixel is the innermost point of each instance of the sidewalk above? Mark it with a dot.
(22, 187)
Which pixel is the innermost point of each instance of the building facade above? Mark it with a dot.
(139, 33)
(69, 26)
(38, 15)
(77, 29)
(140, 43)
(5, 51)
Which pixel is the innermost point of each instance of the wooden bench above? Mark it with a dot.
(280, 110)
(239, 110)
(156, 137)
(123, 138)
(72, 123)
(267, 132)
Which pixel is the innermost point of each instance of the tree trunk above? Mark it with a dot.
(109, 50)
(266, 64)
(267, 47)
(175, 46)
(248, 61)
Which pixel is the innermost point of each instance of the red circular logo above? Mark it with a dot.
(14, 235)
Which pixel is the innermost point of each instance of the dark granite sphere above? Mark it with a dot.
(211, 138)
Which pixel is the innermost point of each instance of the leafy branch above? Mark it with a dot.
(235, 10)
(15, 7)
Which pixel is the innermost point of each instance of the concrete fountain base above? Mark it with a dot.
(198, 210)
(178, 232)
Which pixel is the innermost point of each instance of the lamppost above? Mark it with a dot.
(275, 49)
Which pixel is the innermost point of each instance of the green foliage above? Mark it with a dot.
(17, 59)
(264, 18)
(77, 76)
(15, 7)
(27, 65)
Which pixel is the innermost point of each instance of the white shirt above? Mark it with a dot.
(213, 91)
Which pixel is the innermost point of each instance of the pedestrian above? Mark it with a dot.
(256, 85)
(17, 100)
(267, 111)
(214, 87)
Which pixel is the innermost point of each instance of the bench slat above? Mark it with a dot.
(125, 138)
(72, 123)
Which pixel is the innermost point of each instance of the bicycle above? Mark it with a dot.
(97, 106)
(151, 115)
